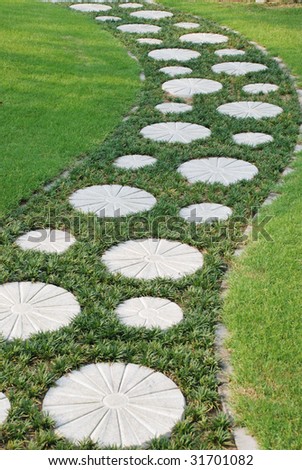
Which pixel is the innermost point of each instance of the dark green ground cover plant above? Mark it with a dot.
(186, 352)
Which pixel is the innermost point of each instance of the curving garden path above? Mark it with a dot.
(109, 294)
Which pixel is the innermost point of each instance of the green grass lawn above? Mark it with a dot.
(65, 84)
(186, 352)
(263, 308)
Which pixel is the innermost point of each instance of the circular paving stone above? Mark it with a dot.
(46, 240)
(151, 14)
(255, 88)
(114, 404)
(186, 25)
(205, 213)
(149, 41)
(150, 312)
(221, 170)
(108, 18)
(112, 200)
(167, 108)
(188, 87)
(90, 7)
(27, 308)
(134, 162)
(139, 28)
(250, 109)
(151, 259)
(238, 68)
(175, 70)
(131, 5)
(204, 38)
(171, 132)
(228, 52)
(252, 139)
(180, 55)
(4, 407)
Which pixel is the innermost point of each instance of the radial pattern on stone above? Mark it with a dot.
(204, 38)
(152, 258)
(229, 52)
(205, 213)
(149, 312)
(134, 162)
(131, 5)
(152, 41)
(252, 139)
(188, 87)
(46, 240)
(186, 25)
(179, 55)
(256, 88)
(4, 407)
(176, 70)
(89, 7)
(221, 170)
(151, 14)
(169, 108)
(139, 28)
(114, 404)
(112, 200)
(27, 308)
(238, 68)
(250, 109)
(108, 18)
(175, 132)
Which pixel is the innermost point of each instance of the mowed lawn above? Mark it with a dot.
(65, 83)
(263, 307)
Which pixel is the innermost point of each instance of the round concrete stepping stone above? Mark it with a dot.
(139, 28)
(46, 240)
(205, 213)
(152, 41)
(180, 55)
(187, 25)
(4, 407)
(167, 108)
(171, 132)
(175, 70)
(188, 87)
(250, 109)
(252, 139)
(27, 308)
(204, 38)
(112, 200)
(114, 404)
(108, 18)
(149, 312)
(89, 7)
(228, 52)
(151, 14)
(151, 259)
(134, 162)
(131, 5)
(238, 68)
(221, 170)
(256, 88)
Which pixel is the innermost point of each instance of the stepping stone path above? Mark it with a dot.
(46, 241)
(150, 259)
(149, 312)
(112, 200)
(114, 404)
(221, 170)
(118, 404)
(175, 132)
(188, 87)
(134, 162)
(28, 308)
